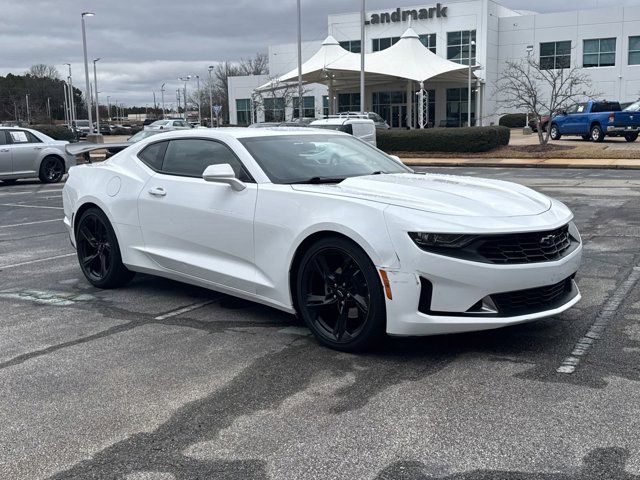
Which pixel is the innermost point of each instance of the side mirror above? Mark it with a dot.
(223, 173)
(563, 112)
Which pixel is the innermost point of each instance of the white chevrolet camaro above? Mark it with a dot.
(321, 224)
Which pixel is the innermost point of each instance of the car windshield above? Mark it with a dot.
(160, 122)
(634, 107)
(82, 123)
(318, 158)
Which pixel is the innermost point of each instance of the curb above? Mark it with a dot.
(521, 165)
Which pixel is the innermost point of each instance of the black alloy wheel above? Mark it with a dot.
(51, 170)
(98, 251)
(339, 295)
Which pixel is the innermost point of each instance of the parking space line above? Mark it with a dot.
(3, 267)
(35, 192)
(570, 363)
(28, 206)
(186, 309)
(31, 223)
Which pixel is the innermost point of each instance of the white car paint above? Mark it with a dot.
(22, 160)
(169, 125)
(243, 242)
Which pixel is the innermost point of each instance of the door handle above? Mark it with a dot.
(4, 150)
(37, 148)
(157, 192)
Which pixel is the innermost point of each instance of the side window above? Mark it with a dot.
(153, 155)
(18, 136)
(189, 157)
(32, 138)
(3, 138)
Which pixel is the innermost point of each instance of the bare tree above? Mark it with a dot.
(279, 96)
(525, 85)
(40, 70)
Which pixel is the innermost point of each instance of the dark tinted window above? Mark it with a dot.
(3, 138)
(606, 107)
(152, 155)
(189, 157)
(32, 138)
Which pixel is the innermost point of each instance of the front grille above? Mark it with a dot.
(525, 247)
(532, 299)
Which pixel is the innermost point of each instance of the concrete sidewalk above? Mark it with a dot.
(524, 162)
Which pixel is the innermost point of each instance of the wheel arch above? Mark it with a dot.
(93, 203)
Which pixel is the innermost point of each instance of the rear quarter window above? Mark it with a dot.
(153, 155)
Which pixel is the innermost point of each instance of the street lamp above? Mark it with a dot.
(211, 98)
(527, 128)
(95, 84)
(109, 107)
(185, 80)
(199, 98)
(72, 106)
(27, 99)
(86, 68)
(471, 45)
(162, 93)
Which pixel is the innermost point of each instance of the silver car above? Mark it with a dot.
(26, 153)
(170, 124)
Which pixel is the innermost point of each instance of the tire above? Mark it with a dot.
(597, 135)
(10, 181)
(51, 170)
(98, 251)
(339, 295)
(586, 138)
(555, 132)
(631, 137)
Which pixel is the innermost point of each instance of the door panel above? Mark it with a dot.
(200, 229)
(6, 166)
(24, 151)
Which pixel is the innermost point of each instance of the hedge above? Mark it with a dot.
(463, 139)
(513, 120)
(57, 132)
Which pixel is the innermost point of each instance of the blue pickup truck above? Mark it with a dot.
(594, 120)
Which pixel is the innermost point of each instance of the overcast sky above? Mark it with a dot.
(144, 43)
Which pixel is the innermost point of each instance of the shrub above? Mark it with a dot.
(57, 132)
(464, 139)
(513, 120)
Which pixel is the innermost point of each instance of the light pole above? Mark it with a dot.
(86, 68)
(472, 44)
(527, 129)
(28, 115)
(66, 105)
(49, 109)
(362, 95)
(95, 84)
(72, 105)
(178, 102)
(185, 80)
(162, 94)
(199, 98)
(211, 97)
(300, 102)
(109, 107)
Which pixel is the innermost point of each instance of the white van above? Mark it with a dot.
(362, 128)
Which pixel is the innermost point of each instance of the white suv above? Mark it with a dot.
(176, 124)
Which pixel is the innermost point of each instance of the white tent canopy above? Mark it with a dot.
(407, 59)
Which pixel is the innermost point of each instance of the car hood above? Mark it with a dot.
(440, 194)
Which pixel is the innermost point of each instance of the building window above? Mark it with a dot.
(457, 107)
(308, 107)
(599, 52)
(382, 43)
(634, 50)
(325, 105)
(555, 55)
(429, 41)
(459, 46)
(274, 109)
(348, 102)
(351, 45)
(243, 109)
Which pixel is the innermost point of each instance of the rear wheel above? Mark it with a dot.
(631, 137)
(99, 252)
(555, 132)
(339, 295)
(597, 135)
(51, 170)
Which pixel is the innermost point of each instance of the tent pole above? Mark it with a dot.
(362, 48)
(409, 104)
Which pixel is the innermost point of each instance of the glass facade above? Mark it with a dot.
(348, 102)
(599, 52)
(243, 107)
(634, 50)
(351, 45)
(274, 109)
(555, 55)
(459, 46)
(308, 107)
(429, 41)
(382, 43)
(457, 107)
(325, 105)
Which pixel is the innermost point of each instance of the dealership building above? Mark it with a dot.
(481, 33)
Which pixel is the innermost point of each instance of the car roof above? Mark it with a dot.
(341, 121)
(241, 132)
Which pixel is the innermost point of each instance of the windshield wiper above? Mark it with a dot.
(317, 180)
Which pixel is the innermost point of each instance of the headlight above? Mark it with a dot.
(441, 240)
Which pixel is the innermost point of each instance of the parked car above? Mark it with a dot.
(544, 122)
(81, 128)
(370, 247)
(595, 120)
(105, 129)
(359, 127)
(26, 153)
(168, 125)
(379, 122)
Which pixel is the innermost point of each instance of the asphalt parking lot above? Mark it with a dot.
(162, 381)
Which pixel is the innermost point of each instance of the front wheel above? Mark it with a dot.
(597, 135)
(586, 138)
(339, 295)
(631, 137)
(51, 170)
(99, 252)
(555, 132)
